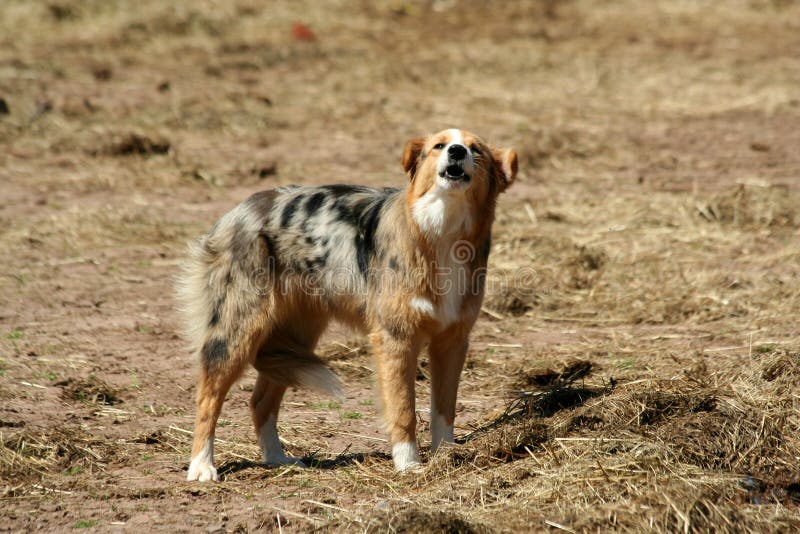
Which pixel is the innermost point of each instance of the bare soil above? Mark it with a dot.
(637, 364)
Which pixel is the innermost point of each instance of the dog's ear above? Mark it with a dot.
(505, 165)
(411, 155)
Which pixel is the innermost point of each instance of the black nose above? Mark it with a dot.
(457, 152)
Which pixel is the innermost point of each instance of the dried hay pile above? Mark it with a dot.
(709, 450)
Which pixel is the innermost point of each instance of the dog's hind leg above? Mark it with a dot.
(287, 359)
(265, 403)
(211, 391)
(224, 294)
(222, 363)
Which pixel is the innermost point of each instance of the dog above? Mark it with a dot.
(405, 266)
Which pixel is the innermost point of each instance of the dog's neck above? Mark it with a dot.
(442, 215)
(446, 227)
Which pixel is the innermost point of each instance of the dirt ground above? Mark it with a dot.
(637, 364)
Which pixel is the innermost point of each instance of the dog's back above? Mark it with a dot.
(314, 242)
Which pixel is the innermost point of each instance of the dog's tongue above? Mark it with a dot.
(455, 171)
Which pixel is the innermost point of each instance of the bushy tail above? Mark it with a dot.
(217, 302)
(200, 293)
(303, 370)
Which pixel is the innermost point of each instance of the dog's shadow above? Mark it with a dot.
(312, 462)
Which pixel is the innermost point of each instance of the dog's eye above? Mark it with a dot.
(438, 146)
(474, 149)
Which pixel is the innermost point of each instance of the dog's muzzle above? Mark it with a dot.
(456, 158)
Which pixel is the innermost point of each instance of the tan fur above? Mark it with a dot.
(266, 399)
(262, 285)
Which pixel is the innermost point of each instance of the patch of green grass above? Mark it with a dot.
(144, 263)
(50, 375)
(143, 329)
(86, 523)
(329, 405)
(367, 402)
(147, 457)
(621, 362)
(352, 415)
(763, 349)
(15, 334)
(134, 379)
(74, 470)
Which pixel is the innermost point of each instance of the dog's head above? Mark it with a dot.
(455, 177)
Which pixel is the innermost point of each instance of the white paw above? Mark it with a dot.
(271, 448)
(406, 457)
(202, 467)
(202, 470)
(442, 448)
(410, 468)
(441, 432)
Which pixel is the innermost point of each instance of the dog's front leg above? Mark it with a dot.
(396, 358)
(447, 354)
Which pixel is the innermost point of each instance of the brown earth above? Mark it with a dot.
(638, 362)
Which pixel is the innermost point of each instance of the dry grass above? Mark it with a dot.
(612, 259)
(28, 458)
(638, 362)
(692, 454)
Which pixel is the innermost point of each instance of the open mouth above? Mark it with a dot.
(455, 172)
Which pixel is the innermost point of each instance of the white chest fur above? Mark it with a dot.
(449, 285)
(442, 213)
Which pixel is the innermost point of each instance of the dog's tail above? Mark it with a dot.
(198, 291)
(224, 291)
(300, 369)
